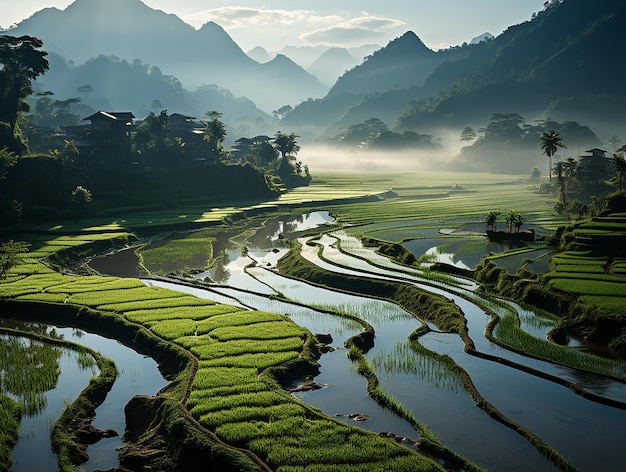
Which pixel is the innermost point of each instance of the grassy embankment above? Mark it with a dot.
(584, 286)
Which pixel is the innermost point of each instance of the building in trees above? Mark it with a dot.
(595, 165)
(110, 132)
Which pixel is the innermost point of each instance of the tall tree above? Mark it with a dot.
(21, 61)
(491, 220)
(468, 134)
(7, 160)
(550, 144)
(214, 134)
(286, 145)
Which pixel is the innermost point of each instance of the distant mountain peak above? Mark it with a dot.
(482, 37)
(259, 54)
(410, 38)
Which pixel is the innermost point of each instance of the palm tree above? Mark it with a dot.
(550, 144)
(491, 220)
(620, 167)
(517, 220)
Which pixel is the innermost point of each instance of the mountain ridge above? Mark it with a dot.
(88, 28)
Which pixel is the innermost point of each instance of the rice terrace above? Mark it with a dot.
(346, 238)
(410, 338)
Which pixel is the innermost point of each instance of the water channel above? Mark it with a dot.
(138, 375)
(588, 434)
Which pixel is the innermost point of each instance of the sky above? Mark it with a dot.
(274, 24)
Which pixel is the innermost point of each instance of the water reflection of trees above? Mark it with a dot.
(266, 234)
(219, 273)
(28, 369)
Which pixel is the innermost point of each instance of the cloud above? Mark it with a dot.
(354, 31)
(307, 25)
(237, 17)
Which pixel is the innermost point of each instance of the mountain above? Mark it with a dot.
(561, 64)
(332, 64)
(403, 62)
(482, 37)
(131, 30)
(560, 55)
(397, 68)
(139, 88)
(259, 54)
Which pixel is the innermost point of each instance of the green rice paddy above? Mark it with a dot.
(233, 392)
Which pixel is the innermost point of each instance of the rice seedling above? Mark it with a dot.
(194, 312)
(28, 369)
(96, 298)
(213, 349)
(508, 331)
(194, 250)
(259, 361)
(223, 376)
(408, 359)
(260, 331)
(155, 304)
(228, 402)
(246, 413)
(585, 285)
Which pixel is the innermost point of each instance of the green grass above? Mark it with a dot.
(193, 250)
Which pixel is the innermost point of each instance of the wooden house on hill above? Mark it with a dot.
(595, 165)
(110, 131)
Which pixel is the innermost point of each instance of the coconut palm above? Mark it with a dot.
(550, 144)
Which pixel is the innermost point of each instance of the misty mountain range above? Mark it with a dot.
(561, 64)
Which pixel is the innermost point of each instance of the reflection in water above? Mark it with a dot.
(219, 273)
(138, 375)
(412, 359)
(434, 255)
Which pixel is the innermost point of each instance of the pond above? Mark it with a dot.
(138, 375)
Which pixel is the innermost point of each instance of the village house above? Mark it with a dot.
(594, 166)
(110, 132)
